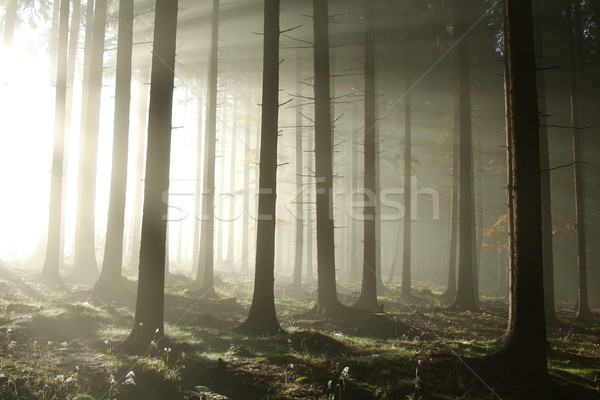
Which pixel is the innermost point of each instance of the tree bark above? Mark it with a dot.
(109, 282)
(328, 302)
(246, 208)
(406, 290)
(299, 239)
(149, 312)
(205, 276)
(85, 264)
(524, 347)
(450, 292)
(50, 271)
(137, 200)
(368, 293)
(262, 319)
(574, 21)
(546, 183)
(465, 293)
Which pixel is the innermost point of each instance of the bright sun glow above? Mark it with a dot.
(27, 104)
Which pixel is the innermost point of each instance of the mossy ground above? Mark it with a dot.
(63, 344)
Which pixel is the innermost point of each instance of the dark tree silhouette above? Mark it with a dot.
(50, 272)
(551, 318)
(205, 276)
(465, 294)
(524, 348)
(85, 265)
(368, 293)
(246, 208)
(574, 32)
(328, 302)
(149, 311)
(262, 319)
(109, 285)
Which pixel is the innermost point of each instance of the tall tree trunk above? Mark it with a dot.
(262, 319)
(546, 183)
(149, 311)
(205, 276)
(231, 195)
(85, 265)
(50, 271)
(450, 292)
(299, 239)
(465, 293)
(509, 161)
(368, 293)
(220, 231)
(246, 191)
(524, 348)
(310, 215)
(137, 200)
(109, 282)
(406, 290)
(198, 199)
(354, 243)
(574, 26)
(328, 302)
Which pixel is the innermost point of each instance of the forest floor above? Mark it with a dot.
(62, 344)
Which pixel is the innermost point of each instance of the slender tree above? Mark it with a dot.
(246, 208)
(551, 318)
(465, 294)
(368, 294)
(86, 269)
(299, 239)
(109, 283)
(450, 292)
(149, 311)
(50, 272)
(574, 32)
(262, 319)
(406, 291)
(524, 348)
(205, 276)
(328, 302)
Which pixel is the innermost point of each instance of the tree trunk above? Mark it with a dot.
(368, 293)
(524, 348)
(406, 291)
(149, 312)
(109, 283)
(328, 302)
(450, 292)
(246, 191)
(220, 231)
(574, 20)
(299, 239)
(231, 195)
(262, 319)
(205, 276)
(546, 183)
(136, 224)
(50, 271)
(53, 47)
(198, 199)
(465, 293)
(85, 265)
